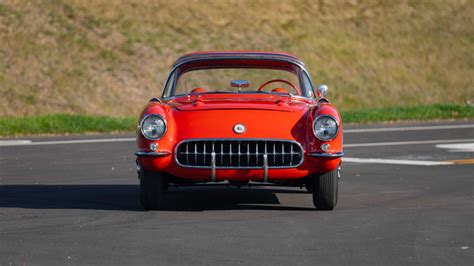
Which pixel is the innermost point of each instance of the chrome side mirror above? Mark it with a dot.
(322, 91)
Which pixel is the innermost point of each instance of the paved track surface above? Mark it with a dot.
(79, 204)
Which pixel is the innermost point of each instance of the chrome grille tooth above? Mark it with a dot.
(282, 153)
(204, 154)
(239, 151)
(291, 152)
(248, 153)
(187, 152)
(256, 153)
(266, 153)
(274, 153)
(195, 153)
(230, 153)
(222, 153)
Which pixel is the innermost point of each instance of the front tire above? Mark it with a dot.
(325, 190)
(309, 183)
(153, 186)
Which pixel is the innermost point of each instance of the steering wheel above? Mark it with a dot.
(278, 80)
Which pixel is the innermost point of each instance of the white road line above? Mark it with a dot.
(457, 147)
(76, 141)
(399, 143)
(392, 161)
(13, 142)
(390, 129)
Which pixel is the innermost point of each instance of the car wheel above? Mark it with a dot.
(325, 190)
(153, 186)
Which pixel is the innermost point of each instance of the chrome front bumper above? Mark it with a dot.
(327, 155)
(152, 153)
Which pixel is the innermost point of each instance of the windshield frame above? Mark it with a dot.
(171, 81)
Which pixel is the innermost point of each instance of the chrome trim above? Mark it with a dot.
(327, 155)
(297, 97)
(265, 167)
(155, 100)
(248, 153)
(298, 64)
(322, 91)
(213, 166)
(240, 54)
(239, 83)
(239, 128)
(148, 115)
(330, 116)
(152, 153)
(322, 100)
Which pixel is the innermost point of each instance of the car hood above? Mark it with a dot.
(273, 103)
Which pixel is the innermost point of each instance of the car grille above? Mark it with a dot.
(239, 153)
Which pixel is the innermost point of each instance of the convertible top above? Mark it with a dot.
(237, 55)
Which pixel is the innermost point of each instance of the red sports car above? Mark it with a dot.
(239, 117)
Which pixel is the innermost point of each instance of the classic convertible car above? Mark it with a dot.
(237, 118)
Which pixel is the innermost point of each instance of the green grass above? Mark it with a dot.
(64, 124)
(412, 113)
(76, 124)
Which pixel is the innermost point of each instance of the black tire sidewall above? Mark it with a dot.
(153, 186)
(325, 190)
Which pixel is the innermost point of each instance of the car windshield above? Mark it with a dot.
(237, 80)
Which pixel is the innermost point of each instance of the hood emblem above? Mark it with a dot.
(239, 128)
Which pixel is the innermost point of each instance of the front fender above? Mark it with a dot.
(313, 143)
(165, 144)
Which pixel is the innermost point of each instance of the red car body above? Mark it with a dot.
(275, 123)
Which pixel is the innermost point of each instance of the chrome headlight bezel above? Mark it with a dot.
(147, 117)
(327, 138)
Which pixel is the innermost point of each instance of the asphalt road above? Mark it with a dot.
(78, 203)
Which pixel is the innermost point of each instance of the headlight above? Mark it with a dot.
(325, 128)
(153, 127)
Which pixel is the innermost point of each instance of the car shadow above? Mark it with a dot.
(126, 197)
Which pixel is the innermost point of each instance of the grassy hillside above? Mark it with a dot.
(109, 57)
